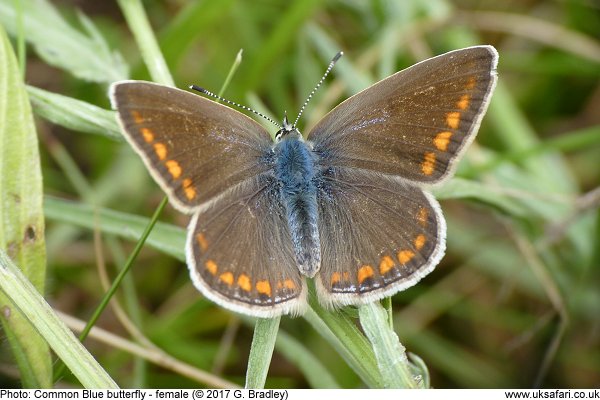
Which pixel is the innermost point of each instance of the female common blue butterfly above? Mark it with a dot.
(348, 206)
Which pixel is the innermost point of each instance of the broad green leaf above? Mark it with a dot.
(21, 215)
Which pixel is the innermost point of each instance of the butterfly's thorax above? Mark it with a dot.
(296, 173)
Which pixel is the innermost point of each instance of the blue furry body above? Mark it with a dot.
(297, 174)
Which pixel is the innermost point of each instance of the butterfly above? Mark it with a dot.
(349, 206)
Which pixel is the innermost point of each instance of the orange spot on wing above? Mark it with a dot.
(422, 216)
(160, 150)
(420, 242)
(386, 264)
(289, 284)
(471, 83)
(137, 117)
(365, 272)
(174, 168)
(464, 101)
(211, 266)
(336, 277)
(202, 242)
(453, 119)
(188, 188)
(405, 256)
(244, 282)
(227, 278)
(263, 287)
(441, 140)
(148, 135)
(428, 164)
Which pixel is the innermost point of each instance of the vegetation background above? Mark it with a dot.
(514, 303)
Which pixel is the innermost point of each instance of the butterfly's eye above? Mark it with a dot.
(279, 134)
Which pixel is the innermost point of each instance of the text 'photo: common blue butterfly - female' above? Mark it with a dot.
(348, 206)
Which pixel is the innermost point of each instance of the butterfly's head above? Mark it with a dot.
(287, 130)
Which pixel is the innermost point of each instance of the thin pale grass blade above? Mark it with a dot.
(136, 17)
(74, 114)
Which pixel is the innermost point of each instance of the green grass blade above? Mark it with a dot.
(390, 354)
(21, 214)
(136, 17)
(74, 114)
(85, 55)
(458, 188)
(28, 301)
(342, 334)
(263, 342)
(164, 237)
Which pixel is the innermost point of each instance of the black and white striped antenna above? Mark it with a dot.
(286, 126)
(327, 71)
(233, 103)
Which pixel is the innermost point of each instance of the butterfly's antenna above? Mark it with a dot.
(216, 96)
(327, 71)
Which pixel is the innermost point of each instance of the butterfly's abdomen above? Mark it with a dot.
(295, 170)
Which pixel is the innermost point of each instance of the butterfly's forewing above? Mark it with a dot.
(415, 123)
(240, 252)
(194, 148)
(379, 235)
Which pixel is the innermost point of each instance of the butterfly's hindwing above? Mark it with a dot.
(379, 235)
(240, 251)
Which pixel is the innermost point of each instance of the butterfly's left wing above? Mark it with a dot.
(415, 123)
(194, 148)
(379, 235)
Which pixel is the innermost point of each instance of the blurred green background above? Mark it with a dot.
(516, 300)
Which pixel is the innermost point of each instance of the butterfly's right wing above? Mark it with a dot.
(240, 254)
(414, 124)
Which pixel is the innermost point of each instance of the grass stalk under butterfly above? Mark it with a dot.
(343, 335)
(261, 351)
(389, 352)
